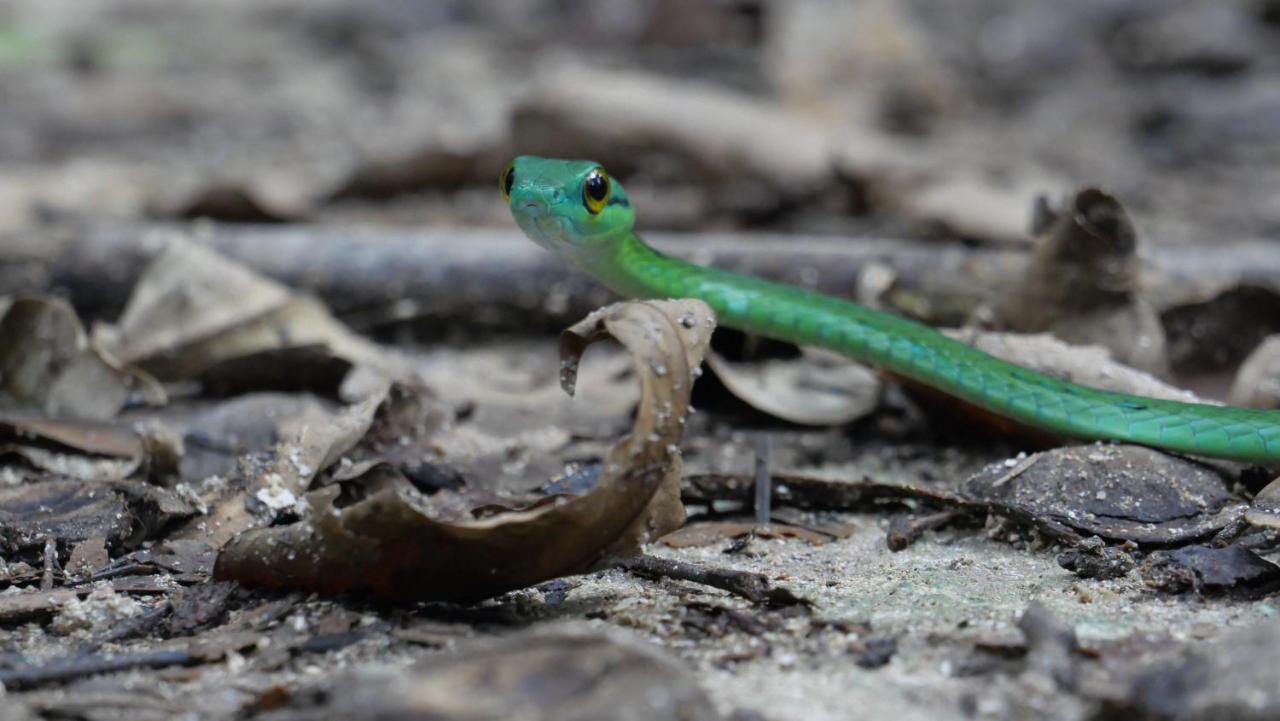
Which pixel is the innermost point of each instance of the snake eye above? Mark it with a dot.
(507, 180)
(596, 190)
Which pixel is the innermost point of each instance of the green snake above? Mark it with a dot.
(575, 209)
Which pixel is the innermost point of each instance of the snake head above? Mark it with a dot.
(571, 207)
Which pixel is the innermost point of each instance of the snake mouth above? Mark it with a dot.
(543, 227)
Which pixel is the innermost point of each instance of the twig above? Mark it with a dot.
(751, 586)
(763, 482)
(906, 530)
(66, 669)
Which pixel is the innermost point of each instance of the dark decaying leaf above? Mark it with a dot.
(215, 438)
(396, 543)
(1118, 492)
(87, 556)
(48, 365)
(567, 673)
(275, 484)
(1219, 333)
(1205, 568)
(69, 510)
(120, 512)
(1093, 558)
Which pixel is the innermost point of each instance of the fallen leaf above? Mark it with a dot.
(1205, 568)
(316, 441)
(90, 450)
(1257, 383)
(1083, 285)
(215, 438)
(820, 388)
(396, 543)
(88, 556)
(197, 315)
(570, 673)
(23, 606)
(1118, 492)
(49, 365)
(975, 207)
(1264, 512)
(67, 510)
(1231, 677)
(70, 511)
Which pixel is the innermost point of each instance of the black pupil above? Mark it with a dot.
(509, 181)
(597, 187)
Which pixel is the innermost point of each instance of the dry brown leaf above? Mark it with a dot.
(48, 364)
(91, 450)
(194, 313)
(395, 543)
(819, 388)
(1083, 285)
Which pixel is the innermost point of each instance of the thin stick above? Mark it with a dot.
(751, 586)
(763, 482)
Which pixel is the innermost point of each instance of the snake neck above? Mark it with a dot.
(628, 267)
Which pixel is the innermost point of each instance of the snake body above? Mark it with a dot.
(575, 209)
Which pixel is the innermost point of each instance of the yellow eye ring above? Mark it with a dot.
(596, 190)
(506, 180)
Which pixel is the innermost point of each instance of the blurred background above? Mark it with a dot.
(935, 123)
(917, 118)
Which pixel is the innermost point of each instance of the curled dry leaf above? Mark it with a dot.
(90, 450)
(1083, 285)
(197, 315)
(397, 544)
(48, 365)
(819, 388)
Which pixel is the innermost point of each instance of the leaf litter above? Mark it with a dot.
(397, 543)
(255, 654)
